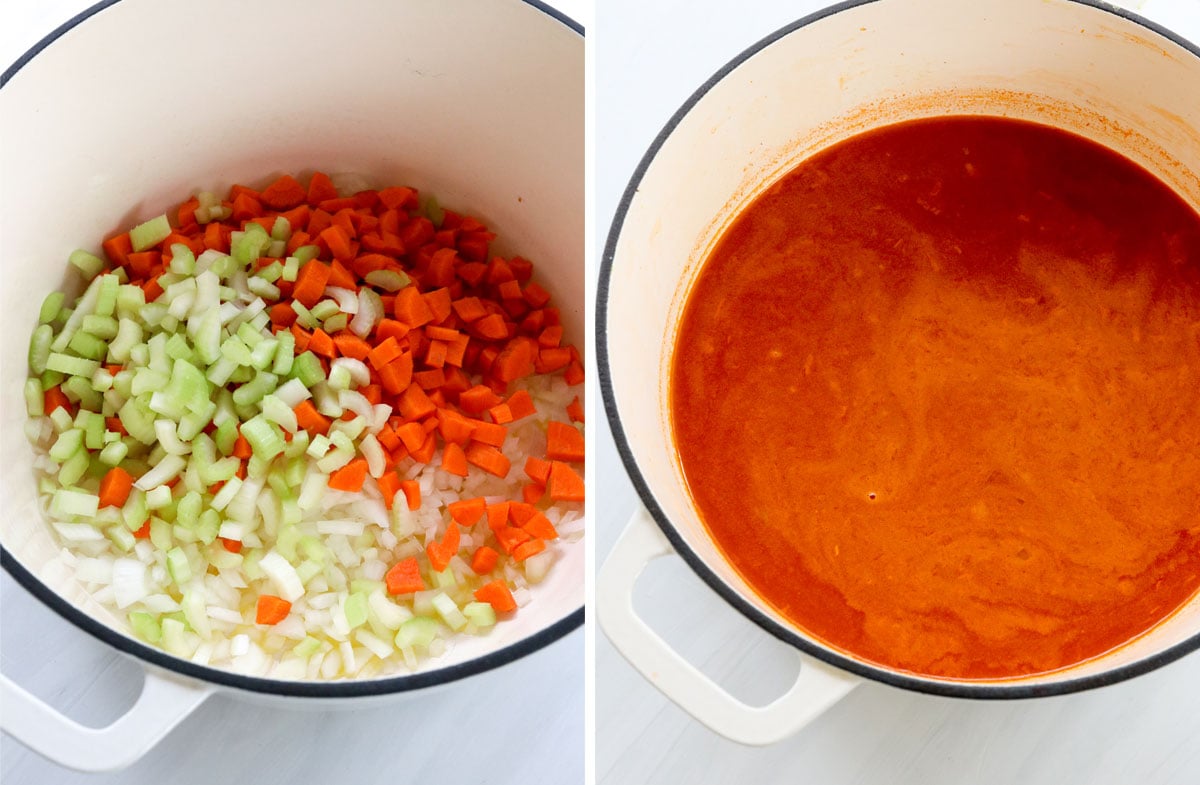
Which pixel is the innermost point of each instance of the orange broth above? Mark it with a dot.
(936, 394)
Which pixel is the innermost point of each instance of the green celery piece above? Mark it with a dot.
(264, 438)
(305, 253)
(177, 348)
(263, 355)
(291, 266)
(307, 570)
(160, 534)
(271, 272)
(253, 391)
(135, 511)
(39, 348)
(121, 537)
(225, 435)
(336, 323)
(481, 614)
(307, 647)
(208, 526)
(129, 335)
(307, 368)
(183, 261)
(285, 353)
(355, 608)
(150, 233)
(130, 300)
(114, 453)
(35, 401)
(286, 541)
(187, 513)
(51, 379)
(304, 317)
(249, 244)
(81, 388)
(324, 309)
(189, 387)
(178, 567)
(234, 349)
(145, 626)
(100, 326)
(51, 306)
(417, 631)
(88, 346)
(207, 337)
(281, 229)
(72, 471)
(138, 421)
(297, 446)
(94, 432)
(106, 295)
(67, 444)
(71, 366)
(434, 212)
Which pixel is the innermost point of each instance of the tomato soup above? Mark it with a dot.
(936, 393)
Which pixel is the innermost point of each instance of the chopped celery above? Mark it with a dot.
(233, 349)
(160, 534)
(136, 510)
(183, 261)
(417, 631)
(187, 513)
(207, 526)
(121, 537)
(177, 566)
(145, 626)
(150, 233)
(355, 609)
(114, 453)
(100, 326)
(481, 614)
(389, 280)
(173, 639)
(158, 497)
(67, 444)
(434, 212)
(263, 355)
(88, 346)
(304, 317)
(73, 469)
(307, 647)
(106, 296)
(306, 367)
(305, 253)
(225, 436)
(264, 438)
(129, 334)
(35, 401)
(68, 502)
(51, 307)
(188, 386)
(88, 264)
(291, 266)
(324, 309)
(448, 610)
(39, 347)
(72, 366)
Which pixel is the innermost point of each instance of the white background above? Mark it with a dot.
(650, 57)
(521, 724)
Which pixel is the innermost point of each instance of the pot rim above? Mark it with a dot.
(302, 689)
(957, 689)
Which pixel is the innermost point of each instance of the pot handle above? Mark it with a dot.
(163, 703)
(817, 688)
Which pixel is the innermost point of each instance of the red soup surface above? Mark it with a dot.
(937, 397)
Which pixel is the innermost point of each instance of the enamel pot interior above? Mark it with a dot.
(1070, 63)
(480, 104)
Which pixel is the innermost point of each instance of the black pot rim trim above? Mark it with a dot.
(1009, 690)
(225, 678)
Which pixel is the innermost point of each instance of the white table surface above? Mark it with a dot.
(424, 739)
(650, 57)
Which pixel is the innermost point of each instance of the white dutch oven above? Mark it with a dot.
(132, 105)
(1076, 64)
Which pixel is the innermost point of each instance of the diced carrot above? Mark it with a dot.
(117, 249)
(484, 560)
(412, 493)
(469, 309)
(383, 353)
(510, 537)
(441, 552)
(488, 458)
(390, 328)
(115, 425)
(536, 296)
(282, 314)
(246, 206)
(425, 453)
(501, 414)
(574, 373)
(520, 512)
(143, 533)
(350, 477)
(439, 303)
(397, 196)
(575, 410)
(115, 487)
(350, 345)
(491, 327)
(551, 336)
(152, 289)
(431, 379)
(320, 188)
(498, 595)
(478, 399)
(404, 577)
(311, 282)
(435, 356)
(389, 484)
(522, 268)
(54, 398)
(339, 276)
(144, 264)
(337, 239)
(412, 434)
(241, 447)
(514, 361)
(414, 404)
(411, 308)
(396, 376)
(283, 194)
(454, 460)
(497, 515)
(233, 546)
(489, 433)
(527, 549)
(467, 511)
(565, 484)
(310, 419)
(551, 360)
(271, 609)
(532, 492)
(537, 470)
(520, 404)
(564, 442)
(454, 427)
(320, 343)
(539, 526)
